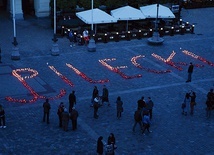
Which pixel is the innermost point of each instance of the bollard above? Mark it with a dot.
(182, 30)
(161, 32)
(105, 38)
(62, 31)
(128, 35)
(139, 35)
(192, 29)
(172, 31)
(116, 37)
(180, 22)
(150, 32)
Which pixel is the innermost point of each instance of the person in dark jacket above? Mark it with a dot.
(192, 102)
(74, 115)
(112, 141)
(72, 100)
(100, 145)
(2, 117)
(119, 107)
(105, 95)
(65, 119)
(46, 107)
(190, 71)
(59, 113)
(95, 93)
(149, 106)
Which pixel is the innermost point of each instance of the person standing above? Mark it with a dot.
(96, 106)
(190, 71)
(100, 146)
(72, 100)
(105, 95)
(74, 115)
(65, 119)
(46, 107)
(71, 38)
(85, 36)
(119, 107)
(192, 102)
(210, 102)
(112, 142)
(59, 113)
(95, 93)
(2, 117)
(187, 101)
(149, 107)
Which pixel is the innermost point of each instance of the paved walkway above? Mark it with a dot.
(173, 133)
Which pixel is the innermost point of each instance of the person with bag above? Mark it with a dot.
(138, 119)
(111, 144)
(119, 107)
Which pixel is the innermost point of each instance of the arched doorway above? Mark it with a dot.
(28, 8)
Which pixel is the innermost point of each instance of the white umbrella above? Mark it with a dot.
(127, 13)
(99, 17)
(150, 11)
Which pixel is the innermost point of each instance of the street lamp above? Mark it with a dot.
(55, 46)
(15, 51)
(91, 44)
(155, 39)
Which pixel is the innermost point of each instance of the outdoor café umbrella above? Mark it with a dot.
(127, 13)
(150, 11)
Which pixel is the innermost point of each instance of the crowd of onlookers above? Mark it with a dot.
(142, 116)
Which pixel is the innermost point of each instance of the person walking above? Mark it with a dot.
(192, 102)
(95, 93)
(190, 71)
(138, 119)
(72, 100)
(149, 107)
(100, 146)
(74, 115)
(141, 103)
(65, 119)
(2, 117)
(59, 113)
(146, 123)
(119, 107)
(46, 108)
(105, 95)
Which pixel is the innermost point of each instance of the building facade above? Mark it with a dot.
(38, 8)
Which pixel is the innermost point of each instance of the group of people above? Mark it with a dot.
(78, 38)
(109, 147)
(143, 114)
(63, 113)
(189, 103)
